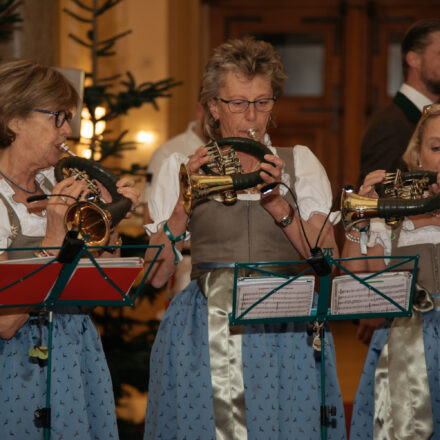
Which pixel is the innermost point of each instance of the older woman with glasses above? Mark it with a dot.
(397, 397)
(36, 104)
(209, 380)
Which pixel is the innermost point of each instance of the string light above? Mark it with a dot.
(146, 137)
(87, 124)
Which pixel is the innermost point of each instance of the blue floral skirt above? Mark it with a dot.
(282, 379)
(81, 398)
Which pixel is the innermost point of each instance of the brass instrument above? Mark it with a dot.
(223, 172)
(403, 195)
(94, 218)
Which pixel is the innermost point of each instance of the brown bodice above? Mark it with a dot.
(243, 232)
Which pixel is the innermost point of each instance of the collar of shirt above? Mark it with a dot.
(417, 98)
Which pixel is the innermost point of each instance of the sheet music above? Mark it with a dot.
(83, 262)
(294, 299)
(349, 296)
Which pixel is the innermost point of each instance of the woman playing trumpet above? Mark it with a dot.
(36, 108)
(397, 394)
(208, 380)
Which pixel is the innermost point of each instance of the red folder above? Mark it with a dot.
(87, 282)
(31, 290)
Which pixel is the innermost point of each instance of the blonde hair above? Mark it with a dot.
(245, 56)
(25, 84)
(411, 154)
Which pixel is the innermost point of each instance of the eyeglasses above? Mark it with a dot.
(241, 105)
(61, 116)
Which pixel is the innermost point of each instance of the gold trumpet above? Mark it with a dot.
(93, 218)
(222, 173)
(194, 187)
(404, 195)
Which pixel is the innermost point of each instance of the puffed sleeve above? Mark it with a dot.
(164, 192)
(312, 185)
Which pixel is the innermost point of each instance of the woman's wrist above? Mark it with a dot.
(360, 235)
(278, 207)
(44, 245)
(286, 219)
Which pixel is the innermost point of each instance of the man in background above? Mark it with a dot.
(391, 128)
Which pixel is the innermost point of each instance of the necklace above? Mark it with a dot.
(17, 185)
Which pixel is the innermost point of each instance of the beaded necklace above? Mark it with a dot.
(17, 185)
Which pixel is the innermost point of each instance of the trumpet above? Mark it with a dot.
(223, 173)
(403, 195)
(94, 218)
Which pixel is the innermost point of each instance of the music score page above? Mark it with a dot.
(294, 299)
(349, 296)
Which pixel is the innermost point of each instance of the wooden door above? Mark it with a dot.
(309, 40)
(388, 22)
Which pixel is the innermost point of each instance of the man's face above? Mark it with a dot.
(430, 64)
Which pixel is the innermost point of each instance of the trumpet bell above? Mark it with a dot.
(356, 208)
(195, 187)
(90, 221)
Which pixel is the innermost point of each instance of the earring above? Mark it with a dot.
(419, 164)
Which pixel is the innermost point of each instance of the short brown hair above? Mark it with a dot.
(416, 38)
(25, 84)
(246, 56)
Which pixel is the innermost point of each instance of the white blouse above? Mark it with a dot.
(31, 224)
(312, 187)
(381, 233)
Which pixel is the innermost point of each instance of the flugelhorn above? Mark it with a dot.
(223, 172)
(404, 195)
(93, 218)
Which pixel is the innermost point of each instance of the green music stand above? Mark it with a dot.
(322, 313)
(62, 276)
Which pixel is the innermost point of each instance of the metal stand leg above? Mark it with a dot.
(326, 411)
(43, 414)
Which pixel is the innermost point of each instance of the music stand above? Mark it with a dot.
(64, 278)
(321, 314)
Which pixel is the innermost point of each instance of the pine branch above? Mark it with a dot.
(107, 5)
(83, 6)
(79, 41)
(109, 78)
(77, 17)
(8, 18)
(116, 37)
(115, 147)
(5, 6)
(136, 96)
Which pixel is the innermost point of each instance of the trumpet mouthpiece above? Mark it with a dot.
(252, 133)
(65, 148)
